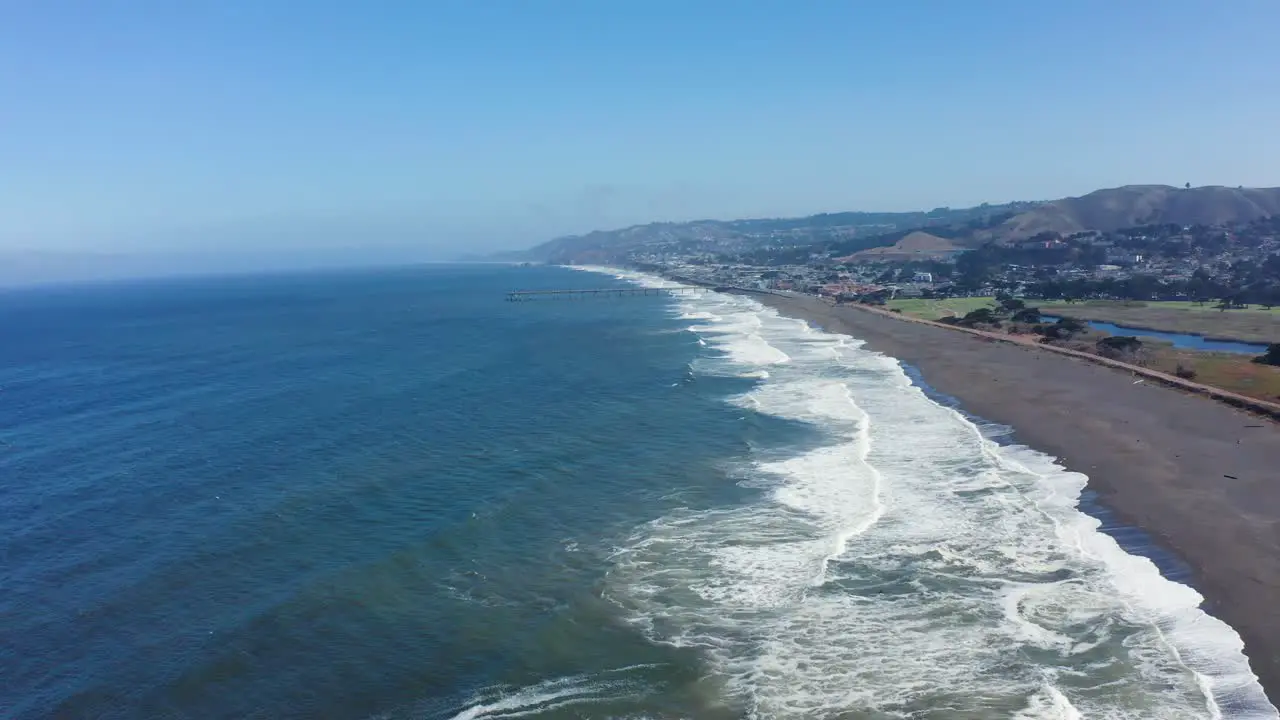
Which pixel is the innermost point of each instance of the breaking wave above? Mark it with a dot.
(910, 565)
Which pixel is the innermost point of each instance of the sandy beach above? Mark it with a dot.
(1199, 476)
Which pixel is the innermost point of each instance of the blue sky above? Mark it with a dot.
(322, 127)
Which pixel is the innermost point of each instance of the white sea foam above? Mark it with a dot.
(911, 566)
(508, 702)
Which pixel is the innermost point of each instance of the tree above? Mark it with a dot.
(1271, 356)
(1119, 346)
(1091, 256)
(1011, 304)
(1231, 298)
(1126, 343)
(1188, 186)
(1072, 325)
(985, 316)
(1027, 315)
(1270, 297)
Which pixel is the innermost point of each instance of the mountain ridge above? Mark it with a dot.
(851, 233)
(1134, 205)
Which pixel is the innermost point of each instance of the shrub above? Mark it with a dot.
(1119, 346)
(985, 316)
(1121, 343)
(1185, 372)
(1072, 325)
(1051, 332)
(1271, 356)
(1027, 315)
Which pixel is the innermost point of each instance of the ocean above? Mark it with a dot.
(393, 495)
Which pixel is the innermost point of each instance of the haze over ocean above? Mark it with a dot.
(223, 136)
(390, 494)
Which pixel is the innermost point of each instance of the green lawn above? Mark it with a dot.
(936, 309)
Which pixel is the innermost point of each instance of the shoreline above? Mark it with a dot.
(1188, 470)
(1131, 538)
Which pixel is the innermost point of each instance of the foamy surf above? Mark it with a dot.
(551, 695)
(910, 566)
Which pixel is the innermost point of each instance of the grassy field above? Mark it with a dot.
(937, 309)
(1251, 325)
(1230, 371)
(1224, 370)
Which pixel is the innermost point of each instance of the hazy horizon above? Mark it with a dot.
(32, 267)
(232, 131)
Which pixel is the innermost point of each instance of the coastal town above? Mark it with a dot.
(1232, 264)
(1190, 301)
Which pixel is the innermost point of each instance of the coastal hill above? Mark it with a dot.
(1134, 205)
(917, 245)
(915, 234)
(845, 233)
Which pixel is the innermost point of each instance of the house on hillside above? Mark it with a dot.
(1120, 256)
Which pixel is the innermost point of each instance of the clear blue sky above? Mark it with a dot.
(320, 126)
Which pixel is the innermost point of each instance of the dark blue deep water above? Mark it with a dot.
(345, 496)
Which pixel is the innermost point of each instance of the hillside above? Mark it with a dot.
(840, 232)
(918, 245)
(1134, 205)
(913, 235)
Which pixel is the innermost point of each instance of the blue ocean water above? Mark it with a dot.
(391, 494)
(328, 495)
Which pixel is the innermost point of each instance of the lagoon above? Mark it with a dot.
(1186, 341)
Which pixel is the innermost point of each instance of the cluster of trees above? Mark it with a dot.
(1201, 287)
(1120, 347)
(1271, 356)
(1007, 308)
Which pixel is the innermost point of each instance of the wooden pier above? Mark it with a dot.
(590, 293)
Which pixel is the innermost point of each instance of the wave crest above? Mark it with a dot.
(909, 564)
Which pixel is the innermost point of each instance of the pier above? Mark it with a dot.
(590, 293)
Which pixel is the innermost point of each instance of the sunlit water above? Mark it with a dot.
(393, 495)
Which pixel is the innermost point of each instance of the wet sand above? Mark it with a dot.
(1201, 477)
